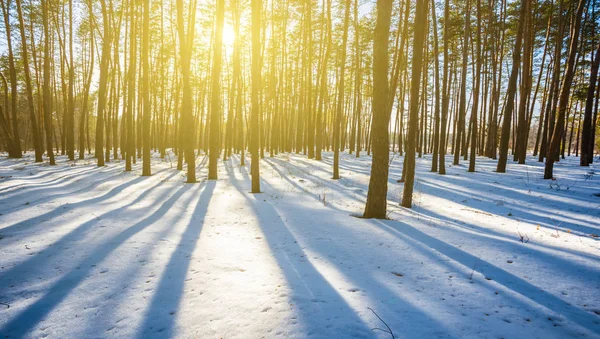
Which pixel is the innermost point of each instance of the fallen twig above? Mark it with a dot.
(524, 239)
(389, 330)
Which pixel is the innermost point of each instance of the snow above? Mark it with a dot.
(98, 252)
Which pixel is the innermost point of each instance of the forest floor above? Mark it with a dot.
(90, 252)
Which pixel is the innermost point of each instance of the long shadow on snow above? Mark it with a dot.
(274, 164)
(116, 295)
(549, 199)
(28, 267)
(105, 316)
(27, 320)
(439, 192)
(159, 319)
(304, 280)
(552, 260)
(50, 193)
(525, 214)
(489, 270)
(36, 222)
(512, 282)
(390, 303)
(34, 180)
(465, 181)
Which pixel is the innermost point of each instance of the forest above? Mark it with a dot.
(299, 168)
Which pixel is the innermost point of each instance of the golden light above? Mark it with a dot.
(228, 35)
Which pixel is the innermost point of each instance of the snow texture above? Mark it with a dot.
(90, 252)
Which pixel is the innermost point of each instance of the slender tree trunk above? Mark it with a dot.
(436, 53)
(376, 206)
(520, 148)
(215, 107)
(15, 151)
(186, 45)
(130, 130)
(417, 59)
(256, 83)
(587, 146)
(462, 106)
(341, 92)
(511, 91)
(565, 90)
(37, 144)
(476, 89)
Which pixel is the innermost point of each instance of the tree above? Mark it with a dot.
(186, 43)
(376, 206)
(34, 129)
(477, 84)
(129, 129)
(511, 90)
(70, 131)
(415, 85)
(445, 96)
(436, 53)
(565, 90)
(215, 106)
(146, 168)
(520, 148)
(14, 150)
(587, 146)
(319, 123)
(103, 83)
(254, 128)
(460, 133)
(339, 112)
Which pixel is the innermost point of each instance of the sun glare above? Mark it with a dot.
(228, 35)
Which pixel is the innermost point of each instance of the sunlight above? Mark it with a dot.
(228, 35)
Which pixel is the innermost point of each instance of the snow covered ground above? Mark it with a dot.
(96, 252)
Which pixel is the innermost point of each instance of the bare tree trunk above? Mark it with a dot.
(186, 45)
(415, 83)
(15, 150)
(376, 206)
(25, 56)
(215, 107)
(587, 146)
(565, 90)
(256, 83)
(476, 88)
(341, 92)
(511, 91)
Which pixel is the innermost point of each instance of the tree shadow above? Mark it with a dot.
(525, 289)
(27, 319)
(24, 269)
(159, 319)
(307, 284)
(531, 214)
(438, 190)
(47, 193)
(328, 313)
(35, 180)
(38, 221)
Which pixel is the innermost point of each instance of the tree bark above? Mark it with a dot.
(376, 206)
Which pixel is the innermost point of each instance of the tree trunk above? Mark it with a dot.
(25, 56)
(417, 59)
(511, 90)
(341, 91)
(587, 146)
(565, 90)
(376, 206)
